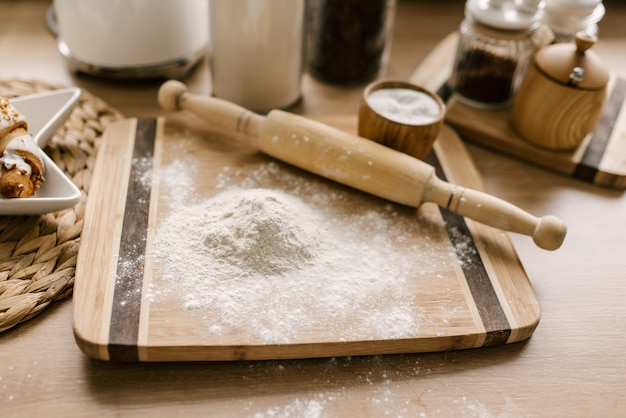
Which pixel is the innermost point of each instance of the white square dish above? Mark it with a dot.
(45, 113)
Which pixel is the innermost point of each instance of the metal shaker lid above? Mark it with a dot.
(573, 64)
(506, 14)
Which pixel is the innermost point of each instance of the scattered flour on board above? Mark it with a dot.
(268, 258)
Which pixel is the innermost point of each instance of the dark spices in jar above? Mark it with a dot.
(484, 77)
(348, 39)
(496, 41)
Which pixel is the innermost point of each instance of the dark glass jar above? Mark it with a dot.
(492, 54)
(348, 40)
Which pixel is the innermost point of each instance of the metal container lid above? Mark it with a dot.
(573, 64)
(506, 14)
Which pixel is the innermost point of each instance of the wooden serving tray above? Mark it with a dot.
(600, 159)
(468, 288)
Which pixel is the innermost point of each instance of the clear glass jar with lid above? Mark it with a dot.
(568, 17)
(496, 41)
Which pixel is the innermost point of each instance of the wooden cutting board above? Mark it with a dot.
(600, 159)
(463, 287)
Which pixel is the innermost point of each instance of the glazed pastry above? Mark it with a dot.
(21, 164)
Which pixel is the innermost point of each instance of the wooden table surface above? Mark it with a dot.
(573, 365)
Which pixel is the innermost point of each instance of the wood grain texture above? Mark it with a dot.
(100, 293)
(576, 355)
(553, 115)
(414, 139)
(600, 159)
(479, 293)
(123, 332)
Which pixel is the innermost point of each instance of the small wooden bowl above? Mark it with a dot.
(402, 116)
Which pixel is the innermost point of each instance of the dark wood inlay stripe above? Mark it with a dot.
(491, 312)
(124, 330)
(590, 163)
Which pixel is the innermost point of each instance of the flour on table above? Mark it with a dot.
(268, 258)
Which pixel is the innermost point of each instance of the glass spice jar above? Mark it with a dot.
(568, 17)
(496, 42)
(349, 40)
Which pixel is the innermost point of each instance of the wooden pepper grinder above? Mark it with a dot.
(562, 95)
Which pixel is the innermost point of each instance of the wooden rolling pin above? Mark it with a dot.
(360, 163)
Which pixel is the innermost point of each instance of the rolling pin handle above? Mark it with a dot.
(547, 232)
(550, 232)
(170, 94)
(221, 114)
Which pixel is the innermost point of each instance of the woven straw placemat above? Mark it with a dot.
(38, 253)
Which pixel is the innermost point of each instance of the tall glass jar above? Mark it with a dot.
(496, 41)
(349, 39)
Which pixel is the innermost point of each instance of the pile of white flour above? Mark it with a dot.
(257, 232)
(267, 257)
